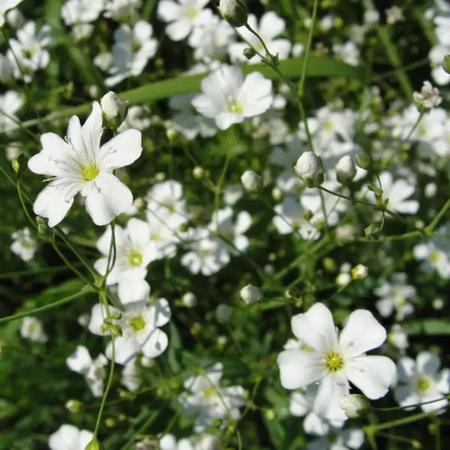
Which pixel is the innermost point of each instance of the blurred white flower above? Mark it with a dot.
(132, 49)
(24, 245)
(122, 10)
(93, 370)
(82, 165)
(207, 400)
(10, 103)
(347, 439)
(27, 52)
(183, 16)
(6, 5)
(81, 11)
(140, 326)
(33, 330)
(421, 381)
(428, 98)
(134, 252)
(396, 296)
(270, 26)
(69, 437)
(230, 98)
(335, 361)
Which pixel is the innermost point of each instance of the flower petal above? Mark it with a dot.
(92, 129)
(298, 369)
(107, 198)
(122, 150)
(155, 344)
(53, 203)
(361, 333)
(315, 328)
(372, 375)
(53, 148)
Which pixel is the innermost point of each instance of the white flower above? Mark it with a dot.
(301, 404)
(232, 231)
(335, 361)
(211, 39)
(290, 218)
(6, 5)
(32, 329)
(348, 52)
(81, 11)
(394, 14)
(182, 16)
(24, 244)
(134, 251)
(187, 122)
(428, 98)
(130, 376)
(435, 253)
(208, 401)
(27, 53)
(140, 326)
(206, 255)
(137, 117)
(80, 361)
(132, 49)
(398, 193)
(230, 98)
(122, 10)
(354, 405)
(396, 296)
(10, 103)
(348, 439)
(420, 381)
(82, 165)
(398, 337)
(69, 437)
(270, 26)
(196, 442)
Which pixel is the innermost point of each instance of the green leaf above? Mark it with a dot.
(318, 66)
(428, 327)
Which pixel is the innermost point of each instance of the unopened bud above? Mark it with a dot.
(446, 64)
(354, 405)
(93, 445)
(250, 294)
(345, 170)
(359, 271)
(198, 172)
(74, 406)
(189, 300)
(114, 108)
(309, 169)
(251, 181)
(234, 11)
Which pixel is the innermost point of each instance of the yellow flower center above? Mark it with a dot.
(137, 323)
(434, 257)
(210, 392)
(192, 13)
(235, 106)
(135, 258)
(89, 172)
(423, 384)
(334, 361)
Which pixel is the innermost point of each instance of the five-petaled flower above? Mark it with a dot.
(80, 164)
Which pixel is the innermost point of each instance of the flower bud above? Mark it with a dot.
(359, 271)
(354, 405)
(345, 170)
(198, 172)
(446, 64)
(251, 181)
(189, 300)
(234, 12)
(93, 445)
(74, 406)
(114, 108)
(309, 169)
(250, 294)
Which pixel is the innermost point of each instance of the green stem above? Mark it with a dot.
(63, 301)
(434, 223)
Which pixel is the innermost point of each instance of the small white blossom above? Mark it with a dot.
(24, 245)
(250, 294)
(335, 361)
(428, 98)
(33, 330)
(421, 381)
(251, 181)
(82, 165)
(230, 98)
